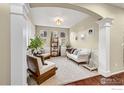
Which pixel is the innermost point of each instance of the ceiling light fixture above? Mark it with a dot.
(59, 21)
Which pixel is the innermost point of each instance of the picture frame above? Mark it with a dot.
(43, 34)
(91, 31)
(62, 34)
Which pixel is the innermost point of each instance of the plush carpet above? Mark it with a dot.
(68, 71)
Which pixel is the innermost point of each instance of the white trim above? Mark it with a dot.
(104, 46)
(103, 73)
(105, 22)
(18, 46)
(16, 13)
(117, 72)
(20, 9)
(108, 74)
(16, 8)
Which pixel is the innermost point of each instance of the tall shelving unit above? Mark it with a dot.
(54, 46)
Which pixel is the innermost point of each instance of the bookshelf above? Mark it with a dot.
(54, 45)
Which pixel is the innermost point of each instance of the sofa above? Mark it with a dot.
(79, 55)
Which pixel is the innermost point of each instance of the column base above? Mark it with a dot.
(104, 73)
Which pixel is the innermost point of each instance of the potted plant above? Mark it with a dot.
(36, 44)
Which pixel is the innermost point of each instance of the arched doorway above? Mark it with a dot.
(22, 56)
(104, 33)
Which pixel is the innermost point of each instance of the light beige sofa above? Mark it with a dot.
(80, 57)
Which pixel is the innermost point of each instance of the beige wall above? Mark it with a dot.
(5, 44)
(90, 41)
(117, 31)
(39, 29)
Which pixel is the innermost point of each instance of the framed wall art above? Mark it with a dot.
(43, 34)
(62, 35)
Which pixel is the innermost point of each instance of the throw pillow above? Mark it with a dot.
(69, 50)
(76, 52)
(72, 50)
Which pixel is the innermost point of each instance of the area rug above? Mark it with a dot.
(68, 71)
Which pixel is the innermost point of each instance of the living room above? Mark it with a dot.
(100, 34)
(76, 35)
(72, 46)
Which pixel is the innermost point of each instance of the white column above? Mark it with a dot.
(18, 45)
(104, 46)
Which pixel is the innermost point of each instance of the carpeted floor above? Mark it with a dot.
(68, 71)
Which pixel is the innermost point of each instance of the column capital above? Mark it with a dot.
(16, 8)
(20, 9)
(106, 22)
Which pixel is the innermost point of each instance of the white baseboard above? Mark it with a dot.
(117, 72)
(108, 74)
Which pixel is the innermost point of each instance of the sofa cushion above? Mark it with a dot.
(68, 54)
(69, 50)
(73, 56)
(38, 60)
(84, 52)
(45, 68)
(40, 64)
(76, 52)
(73, 50)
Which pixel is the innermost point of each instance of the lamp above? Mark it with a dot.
(58, 21)
(82, 36)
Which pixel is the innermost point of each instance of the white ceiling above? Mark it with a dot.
(45, 16)
(121, 5)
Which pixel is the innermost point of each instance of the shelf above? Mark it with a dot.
(54, 45)
(54, 51)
